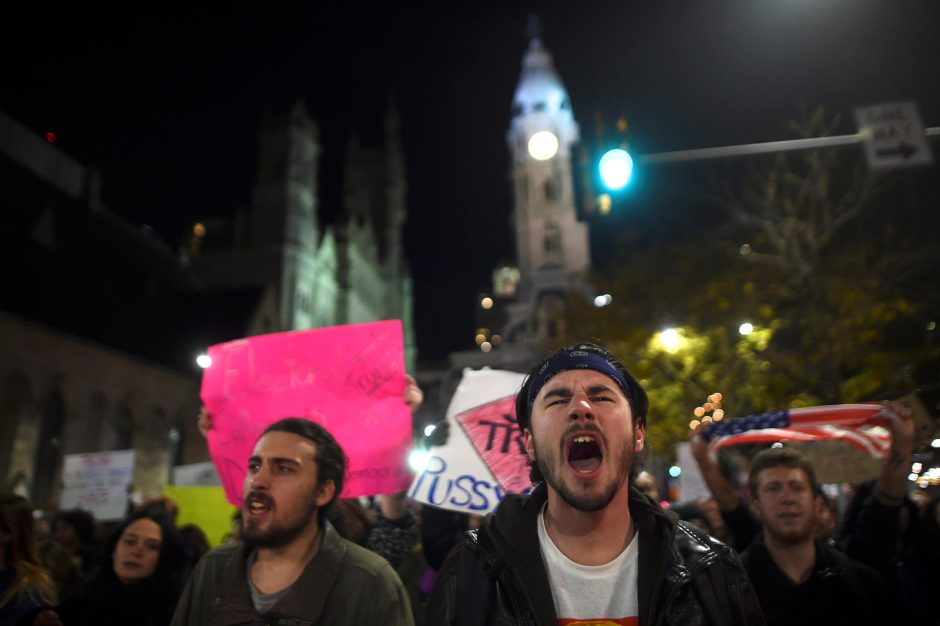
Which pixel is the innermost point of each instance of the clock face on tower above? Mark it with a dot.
(543, 145)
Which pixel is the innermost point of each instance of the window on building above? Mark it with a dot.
(551, 243)
(48, 469)
(550, 190)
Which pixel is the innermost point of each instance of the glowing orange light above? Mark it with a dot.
(694, 424)
(699, 411)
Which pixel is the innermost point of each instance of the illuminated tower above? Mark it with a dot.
(551, 244)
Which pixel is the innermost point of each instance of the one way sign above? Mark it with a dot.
(894, 135)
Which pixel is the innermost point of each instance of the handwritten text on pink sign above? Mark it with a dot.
(350, 379)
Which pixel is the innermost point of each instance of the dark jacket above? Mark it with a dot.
(343, 585)
(497, 575)
(838, 590)
(104, 600)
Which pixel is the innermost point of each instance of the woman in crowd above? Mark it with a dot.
(77, 531)
(26, 588)
(139, 580)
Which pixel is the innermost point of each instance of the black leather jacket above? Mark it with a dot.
(497, 577)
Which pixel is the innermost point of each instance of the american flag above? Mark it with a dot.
(855, 424)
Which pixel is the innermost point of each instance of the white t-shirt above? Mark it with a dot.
(592, 595)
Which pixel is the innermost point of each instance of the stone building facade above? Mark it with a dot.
(100, 321)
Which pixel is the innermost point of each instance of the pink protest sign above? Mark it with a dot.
(496, 436)
(350, 379)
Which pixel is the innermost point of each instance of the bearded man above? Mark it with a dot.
(585, 547)
(291, 566)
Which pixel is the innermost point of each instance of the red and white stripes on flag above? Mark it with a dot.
(857, 425)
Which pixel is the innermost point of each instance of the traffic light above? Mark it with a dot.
(616, 169)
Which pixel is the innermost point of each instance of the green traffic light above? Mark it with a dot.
(616, 168)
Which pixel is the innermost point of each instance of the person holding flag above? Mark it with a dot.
(798, 578)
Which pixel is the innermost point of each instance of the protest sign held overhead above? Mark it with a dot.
(350, 379)
(482, 430)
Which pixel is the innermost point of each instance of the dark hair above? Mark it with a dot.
(639, 403)
(21, 551)
(351, 520)
(82, 521)
(780, 457)
(172, 562)
(330, 458)
(690, 511)
(195, 543)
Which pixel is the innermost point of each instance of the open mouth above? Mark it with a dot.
(584, 453)
(256, 504)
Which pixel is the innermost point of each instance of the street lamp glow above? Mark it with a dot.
(418, 460)
(616, 169)
(543, 145)
(204, 361)
(603, 300)
(670, 340)
(746, 328)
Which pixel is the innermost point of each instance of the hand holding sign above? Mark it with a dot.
(350, 379)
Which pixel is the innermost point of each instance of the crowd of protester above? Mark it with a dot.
(876, 561)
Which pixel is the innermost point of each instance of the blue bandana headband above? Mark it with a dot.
(575, 360)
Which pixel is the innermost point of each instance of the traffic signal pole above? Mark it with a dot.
(761, 148)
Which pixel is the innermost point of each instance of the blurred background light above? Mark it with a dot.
(616, 167)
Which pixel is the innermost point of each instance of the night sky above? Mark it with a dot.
(168, 107)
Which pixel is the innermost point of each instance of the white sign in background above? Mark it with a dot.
(894, 135)
(97, 483)
(197, 475)
(692, 484)
(456, 477)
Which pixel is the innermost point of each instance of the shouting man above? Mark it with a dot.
(291, 566)
(585, 547)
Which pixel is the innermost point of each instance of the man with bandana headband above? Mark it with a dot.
(585, 547)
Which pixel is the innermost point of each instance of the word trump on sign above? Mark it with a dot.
(483, 459)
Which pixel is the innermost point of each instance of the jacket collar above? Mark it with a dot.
(513, 531)
(308, 595)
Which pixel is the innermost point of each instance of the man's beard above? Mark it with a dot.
(277, 535)
(587, 498)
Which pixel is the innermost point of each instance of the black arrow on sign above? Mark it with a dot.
(904, 150)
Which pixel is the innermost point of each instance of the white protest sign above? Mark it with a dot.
(456, 477)
(196, 475)
(692, 484)
(97, 483)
